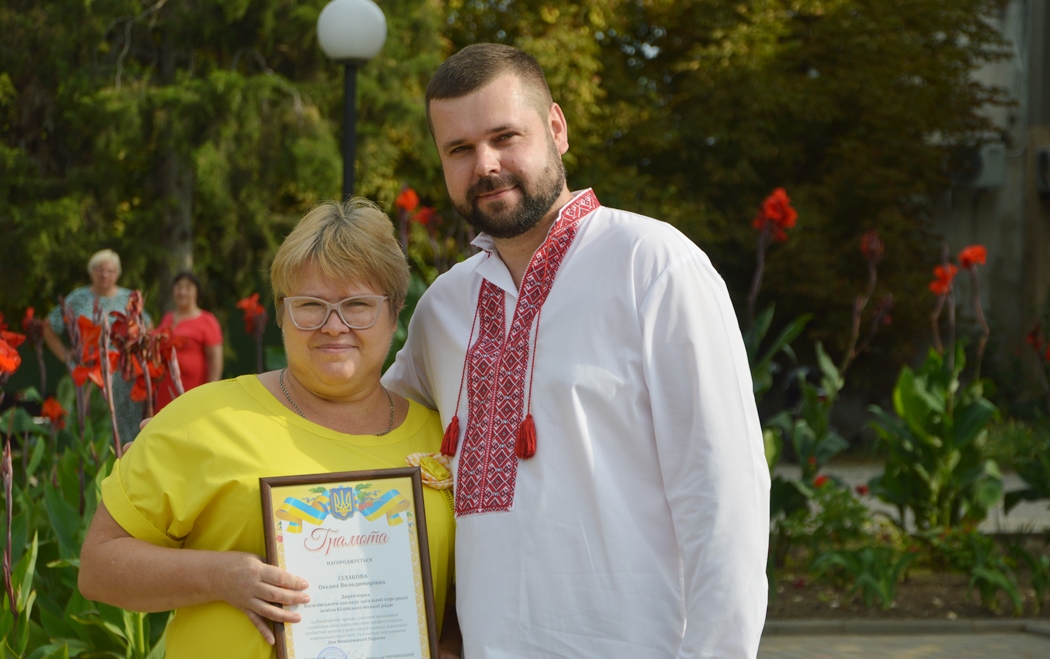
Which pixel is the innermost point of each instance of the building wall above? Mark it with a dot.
(1011, 219)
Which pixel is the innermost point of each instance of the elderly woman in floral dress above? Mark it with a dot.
(104, 268)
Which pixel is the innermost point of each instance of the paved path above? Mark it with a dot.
(903, 640)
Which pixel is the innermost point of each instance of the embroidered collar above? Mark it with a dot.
(497, 368)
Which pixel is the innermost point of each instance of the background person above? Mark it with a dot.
(612, 493)
(180, 522)
(199, 339)
(104, 268)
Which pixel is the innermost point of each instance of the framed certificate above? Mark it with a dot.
(359, 538)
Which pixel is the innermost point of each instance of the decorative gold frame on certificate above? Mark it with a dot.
(342, 495)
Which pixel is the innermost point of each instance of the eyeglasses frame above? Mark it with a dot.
(333, 306)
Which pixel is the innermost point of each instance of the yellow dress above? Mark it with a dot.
(192, 481)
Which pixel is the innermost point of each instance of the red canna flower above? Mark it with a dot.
(408, 200)
(92, 370)
(254, 314)
(90, 333)
(10, 360)
(871, 246)
(13, 339)
(33, 326)
(812, 461)
(1035, 339)
(128, 329)
(942, 283)
(973, 256)
(862, 490)
(776, 215)
(138, 389)
(821, 481)
(425, 216)
(52, 411)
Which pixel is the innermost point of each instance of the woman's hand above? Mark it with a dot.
(119, 569)
(247, 583)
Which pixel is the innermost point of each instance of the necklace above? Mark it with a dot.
(288, 397)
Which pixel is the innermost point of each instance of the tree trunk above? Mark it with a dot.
(175, 183)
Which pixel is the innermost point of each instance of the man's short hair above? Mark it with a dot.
(479, 64)
(351, 243)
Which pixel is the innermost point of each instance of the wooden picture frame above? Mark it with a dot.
(359, 538)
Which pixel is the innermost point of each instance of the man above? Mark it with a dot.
(611, 487)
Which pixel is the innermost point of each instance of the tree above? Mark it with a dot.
(852, 105)
(190, 133)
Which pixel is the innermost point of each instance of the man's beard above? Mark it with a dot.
(504, 222)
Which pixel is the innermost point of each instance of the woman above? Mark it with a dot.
(104, 268)
(180, 522)
(198, 340)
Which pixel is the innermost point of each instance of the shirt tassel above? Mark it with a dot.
(525, 447)
(448, 443)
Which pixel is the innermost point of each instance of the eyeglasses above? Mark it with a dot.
(356, 312)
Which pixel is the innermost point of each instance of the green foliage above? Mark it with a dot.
(1028, 449)
(763, 368)
(936, 467)
(957, 549)
(1012, 442)
(1036, 474)
(836, 100)
(990, 580)
(56, 483)
(809, 426)
(1039, 568)
(190, 132)
(199, 132)
(416, 288)
(874, 570)
(836, 519)
(990, 574)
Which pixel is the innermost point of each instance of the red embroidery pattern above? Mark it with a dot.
(497, 369)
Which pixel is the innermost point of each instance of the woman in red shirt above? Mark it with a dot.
(198, 339)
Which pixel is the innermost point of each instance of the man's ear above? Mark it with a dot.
(559, 128)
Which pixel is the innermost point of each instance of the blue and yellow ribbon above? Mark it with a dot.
(391, 503)
(295, 511)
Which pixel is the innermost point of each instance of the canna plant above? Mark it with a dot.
(1038, 565)
(255, 316)
(874, 570)
(33, 327)
(47, 505)
(936, 468)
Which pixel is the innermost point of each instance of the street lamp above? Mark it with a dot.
(351, 32)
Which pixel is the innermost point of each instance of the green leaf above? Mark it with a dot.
(60, 650)
(7, 620)
(23, 422)
(37, 456)
(65, 521)
(832, 380)
(972, 420)
(23, 576)
(773, 444)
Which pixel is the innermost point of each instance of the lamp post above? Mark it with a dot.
(351, 32)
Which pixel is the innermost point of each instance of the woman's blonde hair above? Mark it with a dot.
(103, 256)
(352, 242)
